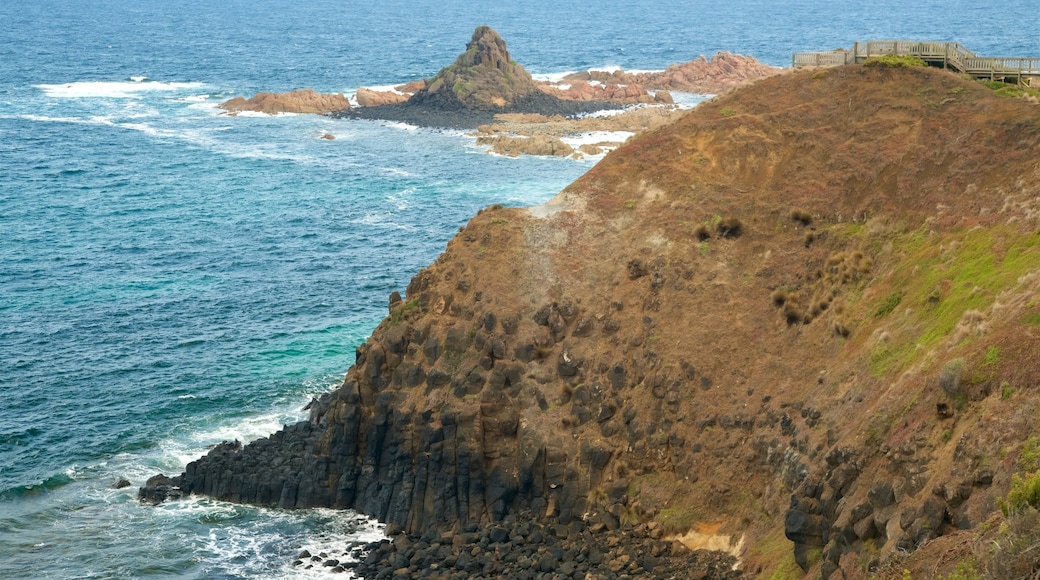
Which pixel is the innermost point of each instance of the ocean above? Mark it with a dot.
(171, 277)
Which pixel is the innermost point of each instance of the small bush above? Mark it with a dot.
(967, 569)
(702, 233)
(793, 312)
(1024, 494)
(840, 329)
(801, 216)
(1006, 90)
(728, 112)
(895, 61)
(1014, 553)
(779, 297)
(1029, 461)
(730, 228)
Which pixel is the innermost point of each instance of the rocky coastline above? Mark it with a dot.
(484, 87)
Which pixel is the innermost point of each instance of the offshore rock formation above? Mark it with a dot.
(482, 77)
(805, 327)
(298, 101)
(483, 81)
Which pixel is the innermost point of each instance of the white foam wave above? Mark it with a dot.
(552, 77)
(251, 542)
(110, 90)
(399, 125)
(193, 99)
(385, 89)
(594, 137)
(400, 199)
(397, 172)
(689, 100)
(383, 219)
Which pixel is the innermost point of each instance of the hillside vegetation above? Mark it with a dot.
(883, 294)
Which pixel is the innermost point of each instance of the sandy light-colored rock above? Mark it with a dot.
(371, 98)
(298, 101)
(723, 72)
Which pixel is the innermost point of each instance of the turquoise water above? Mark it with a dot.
(171, 277)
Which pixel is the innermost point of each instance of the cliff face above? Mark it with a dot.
(742, 322)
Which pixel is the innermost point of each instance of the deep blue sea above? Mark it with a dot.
(171, 277)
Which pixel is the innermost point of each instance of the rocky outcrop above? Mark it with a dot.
(482, 77)
(482, 82)
(371, 98)
(724, 72)
(514, 146)
(298, 101)
(631, 94)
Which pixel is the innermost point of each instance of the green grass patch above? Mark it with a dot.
(970, 268)
(895, 61)
(402, 311)
(1006, 90)
(889, 304)
(1031, 318)
(786, 569)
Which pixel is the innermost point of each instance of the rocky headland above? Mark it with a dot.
(797, 324)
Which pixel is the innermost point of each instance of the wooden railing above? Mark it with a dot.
(950, 55)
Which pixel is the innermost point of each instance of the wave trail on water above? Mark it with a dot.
(111, 89)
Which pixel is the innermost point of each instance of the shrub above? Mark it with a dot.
(1024, 494)
(895, 61)
(840, 329)
(801, 216)
(1014, 553)
(1003, 89)
(1029, 460)
(702, 233)
(730, 228)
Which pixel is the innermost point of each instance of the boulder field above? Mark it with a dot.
(801, 319)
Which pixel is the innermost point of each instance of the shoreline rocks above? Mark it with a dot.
(298, 101)
(523, 548)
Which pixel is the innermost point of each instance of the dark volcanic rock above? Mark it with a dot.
(486, 552)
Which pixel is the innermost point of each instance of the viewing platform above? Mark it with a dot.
(948, 55)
